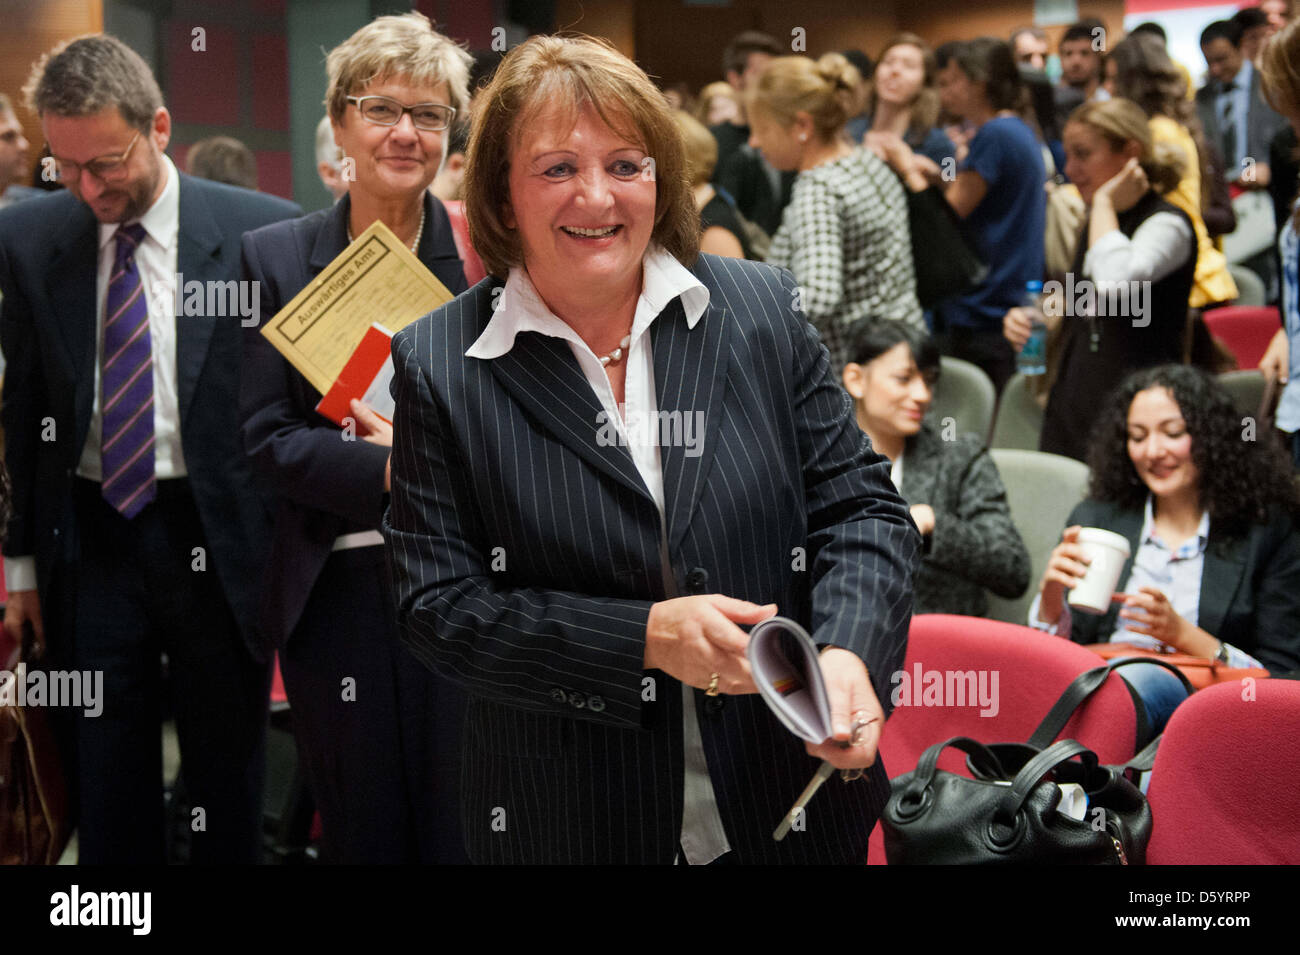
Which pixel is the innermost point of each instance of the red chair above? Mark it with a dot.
(1223, 785)
(1033, 669)
(1245, 330)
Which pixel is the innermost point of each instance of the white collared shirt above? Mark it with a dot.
(156, 261)
(521, 309)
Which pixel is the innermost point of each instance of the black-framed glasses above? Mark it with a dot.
(385, 111)
(105, 168)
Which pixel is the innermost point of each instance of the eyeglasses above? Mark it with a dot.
(383, 111)
(105, 168)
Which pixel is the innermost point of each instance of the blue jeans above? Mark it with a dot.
(1158, 689)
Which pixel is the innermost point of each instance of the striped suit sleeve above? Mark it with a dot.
(513, 645)
(863, 545)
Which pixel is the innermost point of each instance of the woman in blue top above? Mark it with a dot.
(998, 191)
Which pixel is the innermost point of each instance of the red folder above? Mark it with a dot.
(365, 377)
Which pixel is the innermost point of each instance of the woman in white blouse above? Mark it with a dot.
(1124, 302)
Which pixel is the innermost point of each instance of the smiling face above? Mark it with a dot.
(890, 392)
(80, 139)
(392, 162)
(900, 74)
(1160, 446)
(1090, 159)
(582, 200)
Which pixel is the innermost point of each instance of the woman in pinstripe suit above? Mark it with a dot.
(607, 465)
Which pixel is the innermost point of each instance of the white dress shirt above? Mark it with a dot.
(521, 309)
(1159, 245)
(156, 261)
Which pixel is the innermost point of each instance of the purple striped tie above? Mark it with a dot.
(127, 384)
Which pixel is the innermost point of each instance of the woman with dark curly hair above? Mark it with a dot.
(1210, 517)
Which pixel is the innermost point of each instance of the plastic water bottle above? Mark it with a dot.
(1032, 359)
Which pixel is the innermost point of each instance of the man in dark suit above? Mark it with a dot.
(136, 529)
(1232, 108)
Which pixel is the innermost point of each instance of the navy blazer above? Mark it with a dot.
(1250, 585)
(526, 557)
(323, 486)
(49, 249)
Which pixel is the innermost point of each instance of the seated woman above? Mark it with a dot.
(1211, 521)
(845, 233)
(1134, 242)
(956, 497)
(721, 230)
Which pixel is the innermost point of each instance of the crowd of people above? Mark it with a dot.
(488, 618)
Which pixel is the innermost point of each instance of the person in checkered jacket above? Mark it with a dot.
(845, 233)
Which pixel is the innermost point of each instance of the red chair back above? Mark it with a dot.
(1245, 330)
(933, 702)
(1223, 785)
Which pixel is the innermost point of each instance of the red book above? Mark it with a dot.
(365, 377)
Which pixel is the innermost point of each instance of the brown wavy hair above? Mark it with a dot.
(924, 109)
(573, 72)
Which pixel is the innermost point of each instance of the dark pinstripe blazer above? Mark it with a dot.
(526, 556)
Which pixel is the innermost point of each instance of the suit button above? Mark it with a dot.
(713, 705)
(577, 700)
(595, 703)
(558, 695)
(697, 580)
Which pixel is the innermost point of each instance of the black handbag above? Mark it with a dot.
(946, 265)
(1007, 813)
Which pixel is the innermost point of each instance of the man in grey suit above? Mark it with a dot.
(1233, 112)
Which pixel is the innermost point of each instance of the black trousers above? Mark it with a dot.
(144, 587)
(986, 348)
(378, 733)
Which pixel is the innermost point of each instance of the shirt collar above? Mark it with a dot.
(1241, 81)
(1148, 535)
(521, 308)
(162, 221)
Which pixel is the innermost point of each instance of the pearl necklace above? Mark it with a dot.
(419, 233)
(614, 357)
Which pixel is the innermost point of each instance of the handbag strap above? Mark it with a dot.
(927, 765)
(1083, 686)
(1034, 770)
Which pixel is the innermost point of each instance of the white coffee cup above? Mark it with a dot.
(1107, 551)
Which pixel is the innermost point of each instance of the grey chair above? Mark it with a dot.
(965, 394)
(1246, 388)
(1042, 489)
(1250, 287)
(1019, 420)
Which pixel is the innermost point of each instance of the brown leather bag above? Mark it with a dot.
(33, 797)
(1200, 672)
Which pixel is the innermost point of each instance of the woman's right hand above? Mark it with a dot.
(1066, 569)
(692, 638)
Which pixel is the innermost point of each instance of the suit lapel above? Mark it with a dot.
(71, 288)
(197, 259)
(690, 379)
(1225, 562)
(541, 374)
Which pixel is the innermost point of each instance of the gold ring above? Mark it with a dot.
(713, 686)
